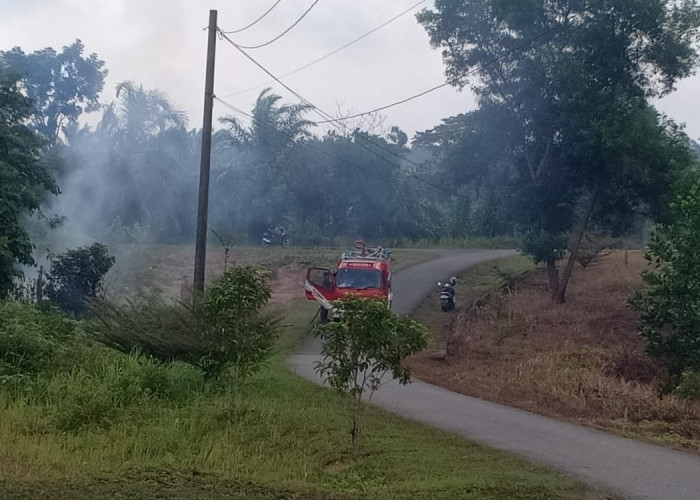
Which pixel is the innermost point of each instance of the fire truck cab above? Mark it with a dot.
(362, 271)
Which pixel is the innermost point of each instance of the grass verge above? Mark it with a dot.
(279, 437)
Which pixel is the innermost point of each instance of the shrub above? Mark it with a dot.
(222, 332)
(76, 277)
(670, 309)
(367, 343)
(239, 338)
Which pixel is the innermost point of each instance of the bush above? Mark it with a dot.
(670, 309)
(30, 338)
(76, 277)
(239, 338)
(222, 333)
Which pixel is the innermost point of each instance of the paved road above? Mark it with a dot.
(627, 467)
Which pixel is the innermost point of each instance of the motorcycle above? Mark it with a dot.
(447, 294)
(273, 237)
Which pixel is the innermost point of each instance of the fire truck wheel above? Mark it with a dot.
(324, 315)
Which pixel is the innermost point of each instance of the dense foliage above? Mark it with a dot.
(670, 309)
(266, 170)
(61, 85)
(30, 339)
(24, 178)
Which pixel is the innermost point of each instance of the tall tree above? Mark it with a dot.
(23, 177)
(62, 85)
(572, 79)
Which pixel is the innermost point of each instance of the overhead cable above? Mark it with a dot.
(256, 21)
(516, 48)
(283, 33)
(361, 37)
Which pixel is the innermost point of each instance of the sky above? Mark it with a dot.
(162, 45)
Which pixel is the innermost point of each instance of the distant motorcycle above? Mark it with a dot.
(276, 238)
(447, 294)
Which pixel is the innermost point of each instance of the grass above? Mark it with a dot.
(279, 437)
(284, 434)
(581, 361)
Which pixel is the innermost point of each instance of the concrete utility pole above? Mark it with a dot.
(203, 206)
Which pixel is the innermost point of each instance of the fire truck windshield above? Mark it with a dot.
(358, 279)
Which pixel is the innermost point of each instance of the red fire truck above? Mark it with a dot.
(362, 271)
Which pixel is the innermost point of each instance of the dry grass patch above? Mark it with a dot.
(582, 361)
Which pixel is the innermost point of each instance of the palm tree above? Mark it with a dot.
(273, 127)
(140, 114)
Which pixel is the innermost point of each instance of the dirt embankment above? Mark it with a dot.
(582, 361)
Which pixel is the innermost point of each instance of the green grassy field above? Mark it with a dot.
(107, 425)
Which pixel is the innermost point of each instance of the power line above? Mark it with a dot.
(382, 108)
(437, 87)
(256, 21)
(329, 119)
(361, 37)
(468, 73)
(283, 33)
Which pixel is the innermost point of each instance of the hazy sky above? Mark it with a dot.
(162, 45)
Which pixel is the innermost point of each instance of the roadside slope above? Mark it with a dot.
(631, 468)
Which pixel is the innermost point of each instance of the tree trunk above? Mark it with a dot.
(561, 291)
(553, 276)
(559, 296)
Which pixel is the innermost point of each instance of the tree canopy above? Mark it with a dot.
(563, 87)
(62, 85)
(23, 176)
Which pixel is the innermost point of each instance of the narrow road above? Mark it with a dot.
(627, 467)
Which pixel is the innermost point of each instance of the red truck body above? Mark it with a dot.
(365, 272)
